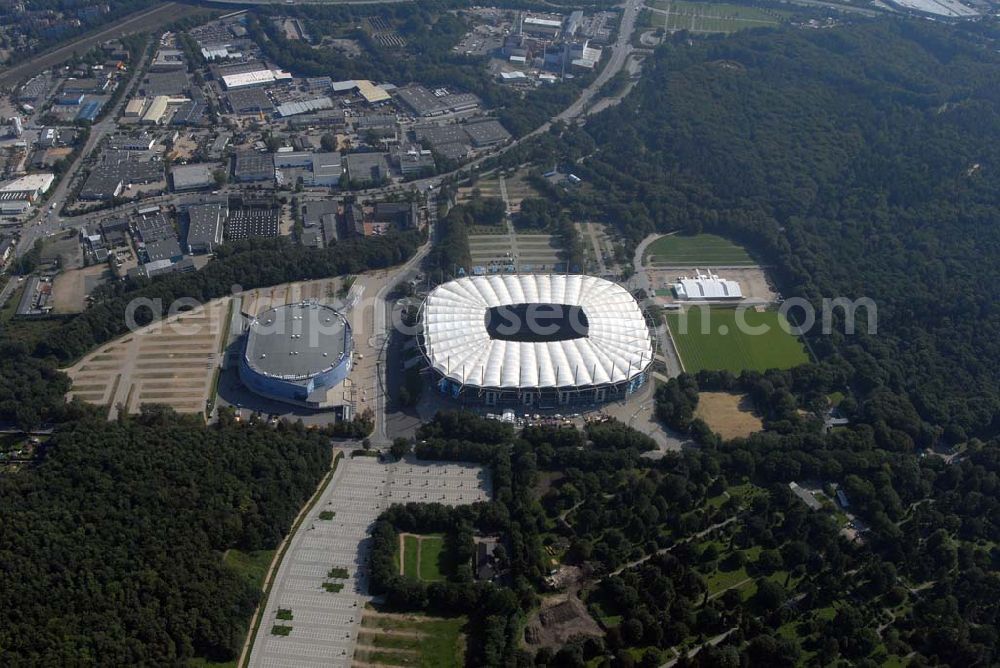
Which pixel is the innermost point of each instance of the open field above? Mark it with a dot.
(727, 414)
(410, 640)
(710, 17)
(70, 288)
(700, 250)
(518, 189)
(422, 557)
(709, 338)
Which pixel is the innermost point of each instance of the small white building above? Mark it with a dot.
(707, 287)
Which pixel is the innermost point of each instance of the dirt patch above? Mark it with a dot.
(560, 618)
(730, 415)
(70, 288)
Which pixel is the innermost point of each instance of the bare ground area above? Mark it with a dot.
(70, 288)
(560, 617)
(729, 415)
(753, 281)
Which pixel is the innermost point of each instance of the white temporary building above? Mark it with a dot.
(617, 346)
(706, 286)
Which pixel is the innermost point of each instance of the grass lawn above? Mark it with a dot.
(423, 558)
(712, 16)
(429, 642)
(431, 564)
(250, 565)
(411, 552)
(725, 347)
(700, 250)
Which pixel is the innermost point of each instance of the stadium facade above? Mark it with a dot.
(297, 353)
(539, 340)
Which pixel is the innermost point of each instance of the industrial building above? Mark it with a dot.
(304, 106)
(706, 287)
(205, 226)
(249, 101)
(193, 177)
(365, 168)
(315, 169)
(298, 354)
(426, 103)
(134, 107)
(38, 184)
(108, 178)
(259, 77)
(157, 109)
(538, 340)
(143, 142)
(251, 167)
(487, 133)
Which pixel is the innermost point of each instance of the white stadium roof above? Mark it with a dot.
(616, 347)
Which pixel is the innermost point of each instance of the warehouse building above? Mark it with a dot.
(253, 167)
(426, 103)
(193, 177)
(486, 133)
(366, 168)
(252, 219)
(205, 226)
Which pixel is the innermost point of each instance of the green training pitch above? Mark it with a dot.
(700, 250)
(725, 347)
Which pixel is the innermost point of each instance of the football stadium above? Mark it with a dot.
(537, 340)
(297, 353)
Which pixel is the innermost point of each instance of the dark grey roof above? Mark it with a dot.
(164, 249)
(486, 133)
(297, 341)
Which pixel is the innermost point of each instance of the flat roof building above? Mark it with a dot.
(193, 177)
(134, 107)
(252, 167)
(205, 226)
(486, 133)
(426, 103)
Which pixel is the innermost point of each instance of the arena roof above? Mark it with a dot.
(613, 345)
(297, 341)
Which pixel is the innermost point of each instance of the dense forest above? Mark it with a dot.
(113, 543)
(861, 161)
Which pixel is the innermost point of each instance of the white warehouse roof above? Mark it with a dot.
(707, 286)
(615, 347)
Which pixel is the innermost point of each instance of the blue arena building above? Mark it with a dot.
(297, 353)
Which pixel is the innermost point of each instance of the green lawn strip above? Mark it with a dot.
(262, 605)
(250, 565)
(333, 587)
(431, 557)
(442, 644)
(384, 641)
(338, 572)
(280, 630)
(385, 658)
(284, 615)
(327, 515)
(411, 551)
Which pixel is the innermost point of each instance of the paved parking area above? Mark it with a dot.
(325, 623)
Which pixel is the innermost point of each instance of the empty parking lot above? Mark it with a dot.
(321, 583)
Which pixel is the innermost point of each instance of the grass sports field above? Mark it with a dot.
(725, 347)
(707, 17)
(410, 640)
(700, 250)
(422, 557)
